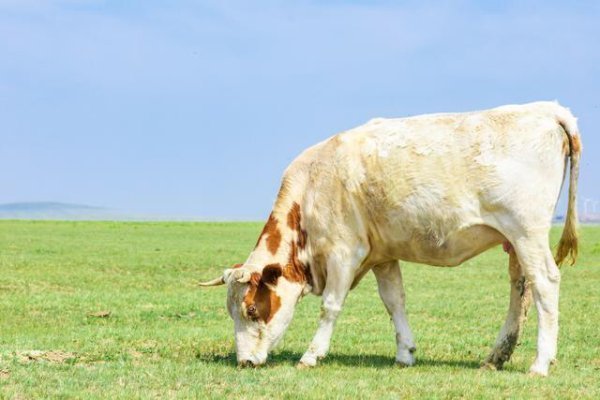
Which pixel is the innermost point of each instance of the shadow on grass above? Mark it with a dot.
(359, 360)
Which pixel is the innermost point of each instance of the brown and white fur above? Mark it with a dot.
(432, 189)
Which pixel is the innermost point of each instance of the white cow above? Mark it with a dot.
(433, 189)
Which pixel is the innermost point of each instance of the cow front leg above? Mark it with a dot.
(391, 291)
(520, 302)
(338, 283)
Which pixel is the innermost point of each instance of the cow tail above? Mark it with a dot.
(569, 241)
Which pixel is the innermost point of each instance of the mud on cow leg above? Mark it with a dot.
(520, 302)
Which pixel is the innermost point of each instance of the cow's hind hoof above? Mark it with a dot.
(246, 364)
(489, 366)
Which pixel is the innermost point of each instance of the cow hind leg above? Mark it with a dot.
(540, 269)
(391, 291)
(520, 301)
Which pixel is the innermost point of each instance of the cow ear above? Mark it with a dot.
(271, 273)
(255, 279)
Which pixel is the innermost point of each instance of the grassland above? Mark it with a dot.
(166, 338)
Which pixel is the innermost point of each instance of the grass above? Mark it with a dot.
(166, 338)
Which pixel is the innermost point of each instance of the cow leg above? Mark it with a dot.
(540, 269)
(337, 285)
(520, 301)
(391, 291)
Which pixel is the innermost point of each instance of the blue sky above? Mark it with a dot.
(185, 108)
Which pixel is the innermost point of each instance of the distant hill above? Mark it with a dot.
(55, 210)
(51, 210)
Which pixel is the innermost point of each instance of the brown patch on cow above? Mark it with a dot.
(261, 302)
(295, 270)
(271, 273)
(273, 241)
(294, 217)
(294, 220)
(237, 266)
(273, 234)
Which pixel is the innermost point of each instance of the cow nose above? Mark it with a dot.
(245, 364)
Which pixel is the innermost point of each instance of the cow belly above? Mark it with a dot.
(449, 251)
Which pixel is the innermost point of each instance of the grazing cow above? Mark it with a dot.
(433, 189)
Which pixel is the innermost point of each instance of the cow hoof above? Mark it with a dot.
(405, 363)
(246, 364)
(489, 366)
(308, 360)
(302, 365)
(533, 371)
(539, 368)
(537, 374)
(405, 358)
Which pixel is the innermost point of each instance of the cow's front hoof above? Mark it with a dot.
(405, 358)
(307, 361)
(538, 372)
(301, 365)
(405, 363)
(401, 364)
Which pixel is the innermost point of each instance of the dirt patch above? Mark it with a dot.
(100, 314)
(135, 354)
(57, 357)
(4, 374)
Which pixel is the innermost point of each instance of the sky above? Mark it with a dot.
(195, 108)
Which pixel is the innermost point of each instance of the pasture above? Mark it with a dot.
(112, 310)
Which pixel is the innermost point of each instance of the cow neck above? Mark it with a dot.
(283, 242)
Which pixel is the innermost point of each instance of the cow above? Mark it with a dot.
(434, 189)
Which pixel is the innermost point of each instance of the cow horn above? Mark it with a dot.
(223, 279)
(215, 282)
(240, 275)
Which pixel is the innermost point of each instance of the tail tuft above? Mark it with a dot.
(568, 245)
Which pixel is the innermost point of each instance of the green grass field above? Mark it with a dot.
(167, 338)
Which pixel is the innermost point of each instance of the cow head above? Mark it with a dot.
(261, 305)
